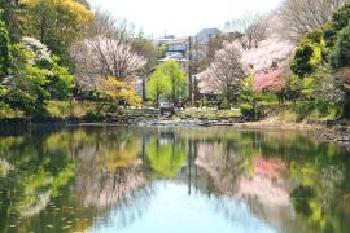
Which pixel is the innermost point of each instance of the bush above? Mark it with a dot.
(303, 109)
(322, 107)
(92, 116)
(225, 104)
(247, 110)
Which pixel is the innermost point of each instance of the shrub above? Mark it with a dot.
(247, 110)
(322, 107)
(303, 109)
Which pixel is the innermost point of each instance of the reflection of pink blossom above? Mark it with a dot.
(264, 190)
(268, 167)
(271, 81)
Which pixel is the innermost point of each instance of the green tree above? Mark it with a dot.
(35, 77)
(145, 48)
(309, 54)
(61, 81)
(57, 24)
(341, 18)
(10, 15)
(177, 76)
(340, 54)
(248, 96)
(4, 51)
(158, 84)
(26, 89)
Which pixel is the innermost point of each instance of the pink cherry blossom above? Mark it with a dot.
(272, 81)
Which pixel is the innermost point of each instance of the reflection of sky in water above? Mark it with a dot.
(173, 210)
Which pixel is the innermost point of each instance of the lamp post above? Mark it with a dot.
(190, 81)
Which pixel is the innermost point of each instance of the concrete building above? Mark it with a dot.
(204, 35)
(176, 49)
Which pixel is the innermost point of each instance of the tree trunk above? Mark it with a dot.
(157, 99)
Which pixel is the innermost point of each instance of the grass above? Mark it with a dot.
(65, 109)
(290, 114)
(58, 109)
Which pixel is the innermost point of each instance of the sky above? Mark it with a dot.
(181, 17)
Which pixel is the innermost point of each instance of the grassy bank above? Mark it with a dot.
(92, 110)
(60, 109)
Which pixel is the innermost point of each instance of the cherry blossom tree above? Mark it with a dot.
(106, 52)
(271, 81)
(270, 64)
(103, 57)
(271, 53)
(224, 73)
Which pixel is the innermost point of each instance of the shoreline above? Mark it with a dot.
(323, 131)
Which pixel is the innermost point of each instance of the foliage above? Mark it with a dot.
(247, 110)
(158, 84)
(340, 53)
(308, 55)
(341, 17)
(66, 109)
(177, 76)
(247, 91)
(320, 54)
(35, 77)
(321, 85)
(61, 81)
(26, 88)
(224, 103)
(57, 24)
(4, 51)
(116, 90)
(9, 13)
(249, 97)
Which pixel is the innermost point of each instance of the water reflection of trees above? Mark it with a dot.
(38, 173)
(110, 176)
(32, 174)
(78, 178)
(248, 165)
(166, 154)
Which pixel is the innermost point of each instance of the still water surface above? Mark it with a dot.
(171, 180)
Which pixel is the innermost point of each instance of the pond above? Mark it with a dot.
(171, 180)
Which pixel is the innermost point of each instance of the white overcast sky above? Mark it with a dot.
(181, 17)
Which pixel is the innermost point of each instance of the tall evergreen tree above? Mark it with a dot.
(4, 50)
